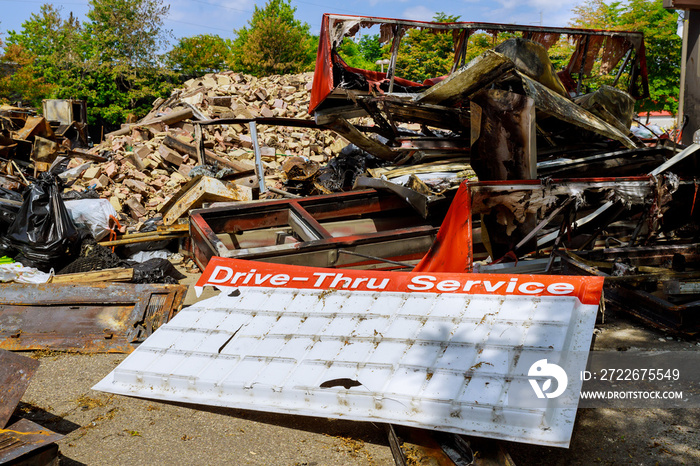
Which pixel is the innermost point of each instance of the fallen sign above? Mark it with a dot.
(449, 352)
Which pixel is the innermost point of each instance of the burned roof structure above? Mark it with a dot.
(516, 78)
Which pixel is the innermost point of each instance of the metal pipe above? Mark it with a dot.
(259, 169)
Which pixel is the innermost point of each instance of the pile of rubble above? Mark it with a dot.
(150, 161)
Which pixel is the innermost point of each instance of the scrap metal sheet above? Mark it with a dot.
(24, 437)
(16, 371)
(94, 317)
(449, 352)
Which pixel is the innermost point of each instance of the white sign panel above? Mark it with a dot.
(478, 354)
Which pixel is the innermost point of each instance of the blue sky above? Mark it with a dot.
(193, 17)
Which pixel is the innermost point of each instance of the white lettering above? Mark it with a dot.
(321, 278)
(250, 275)
(237, 276)
(469, 284)
(338, 279)
(260, 279)
(421, 283)
(279, 279)
(372, 284)
(214, 275)
(491, 288)
(448, 285)
(511, 285)
(525, 288)
(560, 288)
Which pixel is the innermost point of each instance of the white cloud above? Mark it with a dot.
(418, 13)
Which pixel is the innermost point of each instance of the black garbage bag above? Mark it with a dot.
(8, 209)
(156, 271)
(43, 233)
(340, 172)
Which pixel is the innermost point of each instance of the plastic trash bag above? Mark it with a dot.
(92, 214)
(43, 233)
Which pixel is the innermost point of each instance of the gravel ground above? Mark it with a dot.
(104, 429)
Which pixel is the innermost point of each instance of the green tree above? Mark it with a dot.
(205, 53)
(351, 53)
(274, 42)
(111, 61)
(370, 48)
(43, 52)
(424, 54)
(663, 46)
(20, 82)
(126, 32)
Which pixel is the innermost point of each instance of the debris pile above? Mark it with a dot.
(504, 169)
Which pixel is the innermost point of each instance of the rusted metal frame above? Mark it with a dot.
(543, 224)
(613, 216)
(455, 119)
(391, 72)
(399, 245)
(655, 255)
(395, 446)
(305, 225)
(275, 213)
(460, 51)
(645, 306)
(484, 26)
(583, 66)
(387, 128)
(344, 128)
(647, 155)
(655, 311)
(343, 242)
(101, 317)
(688, 151)
(259, 169)
(642, 219)
(626, 60)
(335, 206)
(375, 258)
(565, 224)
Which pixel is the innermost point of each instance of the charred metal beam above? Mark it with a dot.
(418, 201)
(503, 136)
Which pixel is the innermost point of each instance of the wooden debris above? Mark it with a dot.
(106, 275)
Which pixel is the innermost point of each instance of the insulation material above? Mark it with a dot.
(449, 352)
